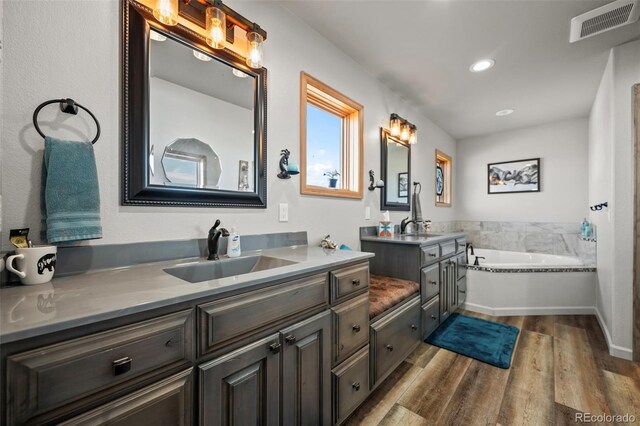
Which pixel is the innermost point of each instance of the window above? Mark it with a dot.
(330, 141)
(443, 179)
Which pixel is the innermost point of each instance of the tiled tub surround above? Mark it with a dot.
(558, 238)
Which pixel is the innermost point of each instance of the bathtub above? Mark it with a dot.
(515, 283)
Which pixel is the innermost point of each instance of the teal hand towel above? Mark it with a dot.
(70, 197)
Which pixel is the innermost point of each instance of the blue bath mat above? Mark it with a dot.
(486, 341)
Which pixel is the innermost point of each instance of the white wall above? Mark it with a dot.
(72, 49)
(611, 179)
(562, 147)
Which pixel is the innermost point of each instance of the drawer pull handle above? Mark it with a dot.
(275, 347)
(462, 291)
(356, 328)
(431, 254)
(433, 282)
(414, 327)
(290, 339)
(121, 366)
(433, 317)
(355, 282)
(169, 343)
(356, 386)
(389, 348)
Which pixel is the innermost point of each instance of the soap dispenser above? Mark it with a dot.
(233, 244)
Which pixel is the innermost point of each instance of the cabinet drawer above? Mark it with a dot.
(350, 384)
(167, 402)
(223, 321)
(430, 254)
(348, 281)
(47, 378)
(430, 317)
(429, 282)
(350, 325)
(394, 337)
(461, 245)
(447, 248)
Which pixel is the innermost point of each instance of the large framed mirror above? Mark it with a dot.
(396, 173)
(194, 131)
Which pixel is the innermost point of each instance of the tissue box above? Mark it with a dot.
(386, 229)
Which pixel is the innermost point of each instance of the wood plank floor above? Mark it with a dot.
(560, 368)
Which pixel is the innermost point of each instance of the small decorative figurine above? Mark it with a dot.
(286, 169)
(326, 243)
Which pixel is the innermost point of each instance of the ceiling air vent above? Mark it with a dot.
(605, 18)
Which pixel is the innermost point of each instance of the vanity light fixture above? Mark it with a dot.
(504, 112)
(373, 185)
(218, 22)
(166, 11)
(157, 36)
(216, 26)
(482, 65)
(255, 54)
(201, 56)
(402, 129)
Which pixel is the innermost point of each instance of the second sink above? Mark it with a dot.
(213, 270)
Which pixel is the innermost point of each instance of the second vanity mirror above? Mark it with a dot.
(396, 173)
(194, 131)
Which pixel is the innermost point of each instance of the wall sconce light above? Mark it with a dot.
(218, 21)
(166, 11)
(216, 26)
(401, 128)
(373, 185)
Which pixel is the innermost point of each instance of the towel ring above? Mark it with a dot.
(68, 106)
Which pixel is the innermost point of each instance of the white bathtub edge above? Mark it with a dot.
(614, 350)
(551, 310)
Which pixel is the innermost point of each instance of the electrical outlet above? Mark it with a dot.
(283, 215)
(367, 213)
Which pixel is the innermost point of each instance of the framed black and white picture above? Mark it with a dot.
(403, 184)
(514, 176)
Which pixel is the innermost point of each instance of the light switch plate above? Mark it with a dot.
(283, 215)
(367, 213)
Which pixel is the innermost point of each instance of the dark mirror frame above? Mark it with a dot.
(137, 22)
(385, 137)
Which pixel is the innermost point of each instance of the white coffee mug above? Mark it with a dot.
(36, 265)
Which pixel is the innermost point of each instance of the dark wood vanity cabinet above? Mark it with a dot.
(242, 387)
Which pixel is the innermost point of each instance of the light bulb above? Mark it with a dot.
(404, 132)
(166, 11)
(201, 56)
(395, 125)
(413, 135)
(216, 27)
(255, 56)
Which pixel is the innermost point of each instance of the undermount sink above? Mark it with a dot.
(216, 269)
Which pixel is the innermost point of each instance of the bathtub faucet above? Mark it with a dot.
(476, 263)
(470, 246)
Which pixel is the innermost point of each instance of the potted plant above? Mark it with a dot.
(333, 178)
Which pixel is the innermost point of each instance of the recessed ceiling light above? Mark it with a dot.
(482, 65)
(201, 56)
(504, 112)
(238, 73)
(157, 36)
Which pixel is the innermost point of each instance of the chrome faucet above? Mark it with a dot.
(214, 239)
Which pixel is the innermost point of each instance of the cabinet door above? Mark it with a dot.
(444, 291)
(167, 402)
(242, 387)
(306, 372)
